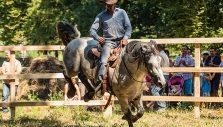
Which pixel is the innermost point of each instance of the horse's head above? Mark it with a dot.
(67, 32)
(152, 61)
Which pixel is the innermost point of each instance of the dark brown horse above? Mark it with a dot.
(136, 60)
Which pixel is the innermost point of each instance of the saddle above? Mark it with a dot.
(112, 62)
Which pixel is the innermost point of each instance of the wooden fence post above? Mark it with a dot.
(12, 84)
(197, 80)
(108, 112)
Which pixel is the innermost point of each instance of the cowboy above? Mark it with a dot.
(116, 29)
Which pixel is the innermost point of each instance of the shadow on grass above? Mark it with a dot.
(210, 116)
(30, 122)
(47, 122)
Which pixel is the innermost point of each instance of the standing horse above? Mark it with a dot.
(126, 79)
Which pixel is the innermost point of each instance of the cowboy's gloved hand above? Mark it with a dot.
(101, 40)
(124, 42)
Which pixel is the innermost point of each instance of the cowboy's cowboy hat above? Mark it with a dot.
(108, 1)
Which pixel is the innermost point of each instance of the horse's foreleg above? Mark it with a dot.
(89, 95)
(140, 109)
(128, 117)
(127, 110)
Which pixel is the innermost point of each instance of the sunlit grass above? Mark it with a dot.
(79, 116)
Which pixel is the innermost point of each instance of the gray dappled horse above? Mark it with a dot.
(126, 79)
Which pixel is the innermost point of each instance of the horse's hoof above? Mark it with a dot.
(134, 119)
(124, 118)
(86, 99)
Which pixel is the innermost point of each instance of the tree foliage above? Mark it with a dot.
(35, 20)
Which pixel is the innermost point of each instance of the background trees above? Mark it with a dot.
(34, 20)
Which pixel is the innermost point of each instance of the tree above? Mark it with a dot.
(13, 18)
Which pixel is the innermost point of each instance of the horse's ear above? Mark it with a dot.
(144, 48)
(153, 46)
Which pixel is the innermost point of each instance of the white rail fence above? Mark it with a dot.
(196, 70)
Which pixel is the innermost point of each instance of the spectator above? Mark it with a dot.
(205, 56)
(205, 85)
(221, 65)
(189, 52)
(155, 90)
(147, 91)
(6, 69)
(82, 88)
(77, 95)
(185, 60)
(214, 60)
(171, 63)
(205, 78)
(175, 85)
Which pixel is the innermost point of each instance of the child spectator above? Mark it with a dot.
(206, 85)
(77, 95)
(175, 85)
(175, 90)
(147, 91)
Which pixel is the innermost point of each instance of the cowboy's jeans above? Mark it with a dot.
(106, 50)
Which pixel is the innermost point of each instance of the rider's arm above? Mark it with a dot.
(94, 28)
(128, 27)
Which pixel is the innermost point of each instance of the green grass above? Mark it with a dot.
(79, 116)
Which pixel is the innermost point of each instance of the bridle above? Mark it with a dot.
(139, 57)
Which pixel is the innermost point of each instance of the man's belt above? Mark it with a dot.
(117, 39)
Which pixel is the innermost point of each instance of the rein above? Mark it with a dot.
(129, 71)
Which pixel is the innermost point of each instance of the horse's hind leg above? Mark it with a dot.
(140, 109)
(89, 95)
(127, 110)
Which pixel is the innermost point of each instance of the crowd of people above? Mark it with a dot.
(181, 84)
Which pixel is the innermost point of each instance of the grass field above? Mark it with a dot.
(75, 116)
(79, 116)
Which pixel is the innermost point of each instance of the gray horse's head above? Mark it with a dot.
(152, 62)
(67, 32)
(149, 57)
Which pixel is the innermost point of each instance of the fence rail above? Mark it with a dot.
(197, 69)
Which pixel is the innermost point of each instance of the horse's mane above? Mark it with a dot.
(133, 48)
(136, 48)
(67, 32)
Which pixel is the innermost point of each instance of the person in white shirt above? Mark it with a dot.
(155, 90)
(6, 69)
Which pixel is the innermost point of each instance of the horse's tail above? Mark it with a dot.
(67, 32)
